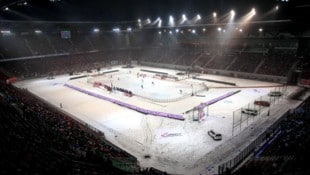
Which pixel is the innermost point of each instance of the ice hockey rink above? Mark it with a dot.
(171, 145)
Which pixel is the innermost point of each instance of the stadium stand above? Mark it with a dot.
(288, 153)
(42, 140)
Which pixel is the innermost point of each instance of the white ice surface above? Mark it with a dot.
(191, 150)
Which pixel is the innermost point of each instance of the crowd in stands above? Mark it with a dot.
(277, 64)
(59, 64)
(38, 139)
(84, 51)
(40, 44)
(303, 66)
(270, 64)
(289, 153)
(221, 61)
(246, 62)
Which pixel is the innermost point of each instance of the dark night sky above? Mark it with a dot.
(126, 10)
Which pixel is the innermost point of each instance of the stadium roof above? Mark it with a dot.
(127, 10)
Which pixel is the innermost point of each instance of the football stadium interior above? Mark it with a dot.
(196, 87)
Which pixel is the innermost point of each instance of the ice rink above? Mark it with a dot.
(174, 146)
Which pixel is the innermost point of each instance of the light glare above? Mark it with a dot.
(171, 21)
(37, 31)
(232, 13)
(198, 17)
(253, 11)
(96, 30)
(214, 14)
(116, 30)
(148, 21)
(277, 7)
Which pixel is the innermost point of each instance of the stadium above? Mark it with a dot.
(163, 87)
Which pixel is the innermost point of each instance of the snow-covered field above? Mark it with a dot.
(174, 146)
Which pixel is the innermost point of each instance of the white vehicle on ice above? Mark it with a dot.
(252, 112)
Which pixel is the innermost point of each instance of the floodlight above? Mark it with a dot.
(232, 13)
(277, 7)
(148, 21)
(159, 23)
(214, 14)
(184, 18)
(5, 32)
(96, 30)
(253, 11)
(116, 30)
(171, 21)
(37, 31)
(198, 17)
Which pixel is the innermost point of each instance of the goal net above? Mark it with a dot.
(197, 114)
